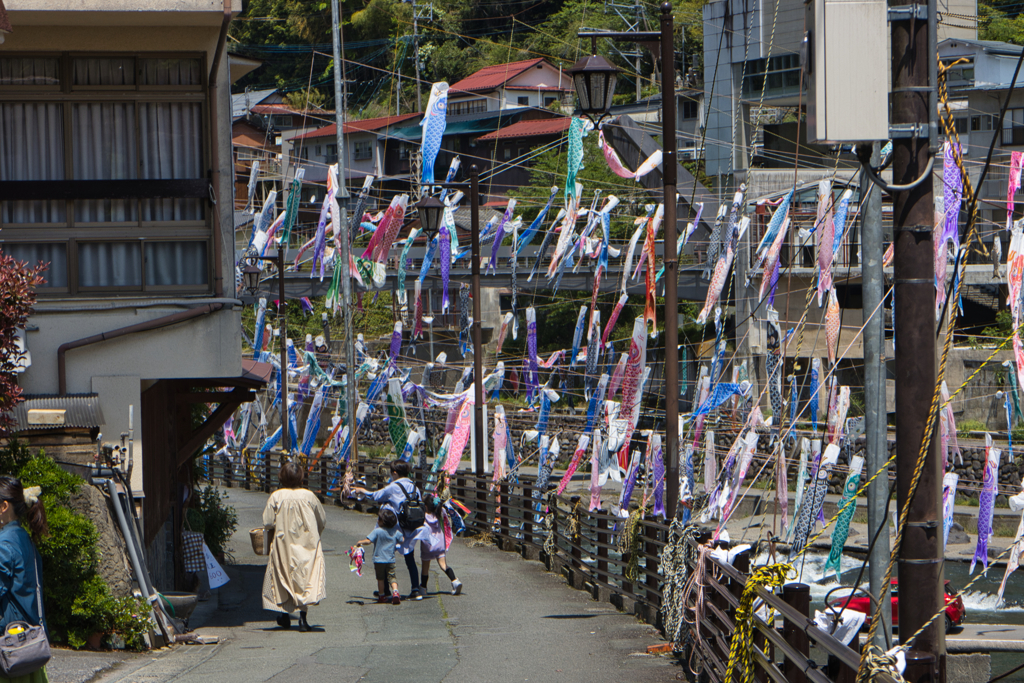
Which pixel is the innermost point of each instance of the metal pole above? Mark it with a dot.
(920, 553)
(284, 347)
(416, 54)
(478, 365)
(668, 125)
(876, 429)
(346, 244)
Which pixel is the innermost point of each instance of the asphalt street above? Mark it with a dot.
(514, 621)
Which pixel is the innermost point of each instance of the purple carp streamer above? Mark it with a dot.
(824, 236)
(532, 380)
(986, 504)
(444, 243)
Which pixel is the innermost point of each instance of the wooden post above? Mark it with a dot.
(266, 472)
(527, 515)
(502, 513)
(602, 545)
(651, 580)
(797, 596)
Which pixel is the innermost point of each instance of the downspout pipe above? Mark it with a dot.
(215, 174)
(154, 324)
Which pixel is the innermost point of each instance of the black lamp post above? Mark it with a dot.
(594, 79)
(251, 278)
(430, 210)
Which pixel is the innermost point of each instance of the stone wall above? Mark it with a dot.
(113, 554)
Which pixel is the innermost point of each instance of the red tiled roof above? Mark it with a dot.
(491, 77)
(284, 110)
(528, 129)
(245, 135)
(541, 88)
(355, 126)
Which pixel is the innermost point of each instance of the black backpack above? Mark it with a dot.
(411, 514)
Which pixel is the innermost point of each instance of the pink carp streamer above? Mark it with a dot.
(1017, 547)
(577, 457)
(503, 331)
(617, 375)
(460, 435)
(825, 231)
(986, 504)
(614, 318)
(721, 274)
(650, 309)
(1013, 184)
(650, 238)
(631, 384)
(832, 326)
(389, 224)
(618, 168)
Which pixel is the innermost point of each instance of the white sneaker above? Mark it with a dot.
(456, 587)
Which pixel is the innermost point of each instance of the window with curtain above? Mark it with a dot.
(131, 121)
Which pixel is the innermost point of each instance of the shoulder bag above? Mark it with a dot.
(24, 648)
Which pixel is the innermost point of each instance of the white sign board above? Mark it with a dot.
(218, 577)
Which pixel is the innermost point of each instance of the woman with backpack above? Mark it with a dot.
(402, 496)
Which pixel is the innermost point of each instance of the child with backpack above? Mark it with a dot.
(384, 538)
(435, 537)
(403, 498)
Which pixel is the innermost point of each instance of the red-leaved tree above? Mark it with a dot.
(17, 296)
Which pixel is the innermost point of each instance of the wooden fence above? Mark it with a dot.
(585, 548)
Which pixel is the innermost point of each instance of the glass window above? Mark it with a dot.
(362, 150)
(109, 264)
(171, 71)
(175, 264)
(523, 100)
(29, 71)
(32, 148)
(109, 71)
(54, 255)
(103, 148)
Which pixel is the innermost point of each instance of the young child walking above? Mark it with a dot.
(384, 539)
(435, 537)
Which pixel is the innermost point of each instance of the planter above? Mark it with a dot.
(94, 641)
(183, 604)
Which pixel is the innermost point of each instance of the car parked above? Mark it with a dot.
(956, 613)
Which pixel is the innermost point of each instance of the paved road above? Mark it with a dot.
(513, 622)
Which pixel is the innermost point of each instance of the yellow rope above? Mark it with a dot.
(741, 647)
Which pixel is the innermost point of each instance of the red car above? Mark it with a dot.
(955, 611)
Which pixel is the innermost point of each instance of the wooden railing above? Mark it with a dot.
(584, 547)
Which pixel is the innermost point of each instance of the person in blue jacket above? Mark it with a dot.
(19, 560)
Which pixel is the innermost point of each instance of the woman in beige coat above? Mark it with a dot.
(295, 577)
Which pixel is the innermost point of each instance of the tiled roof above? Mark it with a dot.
(284, 110)
(540, 88)
(82, 411)
(528, 129)
(240, 102)
(355, 126)
(491, 77)
(244, 135)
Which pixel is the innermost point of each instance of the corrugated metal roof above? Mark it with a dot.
(533, 128)
(82, 411)
(243, 101)
(491, 77)
(356, 126)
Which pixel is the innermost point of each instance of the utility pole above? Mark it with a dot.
(876, 427)
(416, 16)
(920, 552)
(346, 243)
(671, 261)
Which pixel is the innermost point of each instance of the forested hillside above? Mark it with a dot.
(456, 38)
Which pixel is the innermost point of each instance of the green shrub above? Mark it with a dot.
(129, 618)
(214, 519)
(965, 428)
(13, 456)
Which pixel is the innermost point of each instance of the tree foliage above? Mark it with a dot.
(17, 296)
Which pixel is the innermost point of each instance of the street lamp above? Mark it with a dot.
(251, 279)
(594, 79)
(430, 209)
